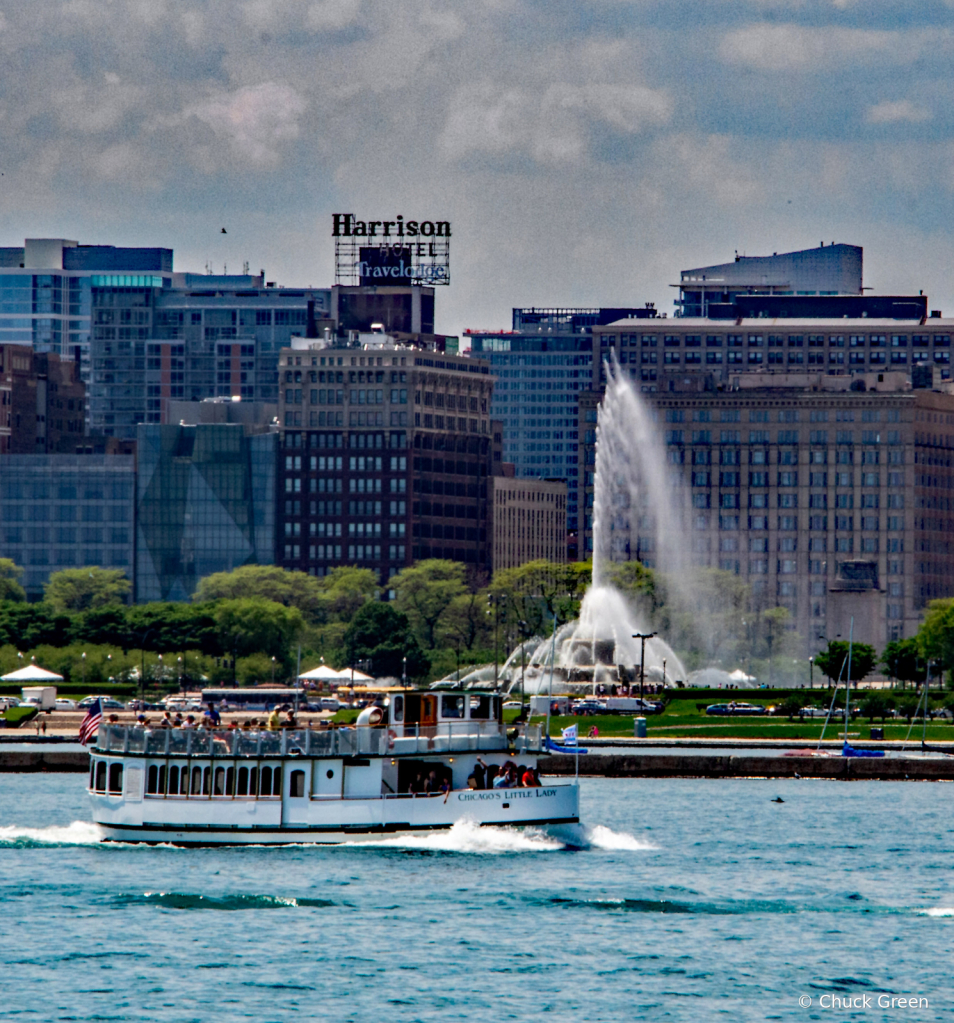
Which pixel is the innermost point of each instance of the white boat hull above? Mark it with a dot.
(226, 821)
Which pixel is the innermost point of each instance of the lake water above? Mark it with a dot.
(680, 900)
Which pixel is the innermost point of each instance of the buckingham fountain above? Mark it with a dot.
(634, 494)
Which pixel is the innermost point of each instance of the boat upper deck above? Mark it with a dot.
(414, 740)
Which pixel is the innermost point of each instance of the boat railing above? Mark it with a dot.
(338, 742)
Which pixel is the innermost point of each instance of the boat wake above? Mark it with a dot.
(77, 833)
(227, 903)
(467, 836)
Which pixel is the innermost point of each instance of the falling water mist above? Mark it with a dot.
(635, 496)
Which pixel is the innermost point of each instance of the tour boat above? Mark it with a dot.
(324, 786)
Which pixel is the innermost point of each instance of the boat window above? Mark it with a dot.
(101, 776)
(196, 781)
(162, 780)
(277, 782)
(253, 782)
(266, 784)
(92, 773)
(297, 784)
(173, 780)
(206, 782)
(230, 781)
(242, 782)
(116, 778)
(398, 709)
(452, 706)
(219, 789)
(481, 708)
(152, 780)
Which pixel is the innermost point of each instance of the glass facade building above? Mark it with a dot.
(205, 503)
(538, 379)
(66, 511)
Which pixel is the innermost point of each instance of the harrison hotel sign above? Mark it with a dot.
(398, 251)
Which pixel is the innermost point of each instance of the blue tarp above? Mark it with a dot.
(556, 748)
(850, 751)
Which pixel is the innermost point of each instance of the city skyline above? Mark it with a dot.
(586, 173)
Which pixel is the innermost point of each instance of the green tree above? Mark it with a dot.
(345, 589)
(247, 626)
(10, 575)
(903, 660)
(425, 591)
(833, 660)
(537, 590)
(263, 582)
(382, 634)
(26, 625)
(936, 635)
(79, 589)
(791, 706)
(466, 623)
(874, 706)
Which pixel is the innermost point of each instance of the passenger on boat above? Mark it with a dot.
(214, 716)
(274, 720)
(417, 785)
(431, 784)
(166, 721)
(445, 786)
(290, 721)
(178, 719)
(478, 775)
(529, 779)
(189, 722)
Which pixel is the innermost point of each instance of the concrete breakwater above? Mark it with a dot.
(43, 758)
(679, 765)
(635, 765)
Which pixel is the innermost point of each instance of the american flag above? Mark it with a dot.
(92, 721)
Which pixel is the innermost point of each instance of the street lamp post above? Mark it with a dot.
(179, 669)
(273, 673)
(811, 672)
(642, 637)
(404, 672)
(83, 658)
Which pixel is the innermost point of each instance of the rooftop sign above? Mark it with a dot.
(398, 251)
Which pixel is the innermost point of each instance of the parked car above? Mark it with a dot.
(813, 712)
(107, 701)
(62, 703)
(512, 705)
(585, 708)
(329, 703)
(7, 702)
(729, 709)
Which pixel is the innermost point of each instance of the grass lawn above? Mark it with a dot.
(682, 719)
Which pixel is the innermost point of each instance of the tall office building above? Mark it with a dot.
(540, 367)
(196, 337)
(46, 290)
(66, 511)
(387, 454)
(205, 503)
(812, 487)
(671, 355)
(529, 520)
(42, 402)
(710, 291)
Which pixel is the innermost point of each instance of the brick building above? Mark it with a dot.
(387, 453)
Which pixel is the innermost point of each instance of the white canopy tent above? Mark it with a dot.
(32, 673)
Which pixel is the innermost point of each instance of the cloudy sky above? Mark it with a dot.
(584, 150)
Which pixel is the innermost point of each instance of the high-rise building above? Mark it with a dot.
(529, 520)
(42, 402)
(671, 355)
(811, 487)
(46, 290)
(66, 511)
(387, 454)
(197, 337)
(710, 291)
(205, 503)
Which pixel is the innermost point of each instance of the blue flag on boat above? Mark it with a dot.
(571, 735)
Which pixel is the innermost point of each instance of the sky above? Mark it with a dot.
(585, 151)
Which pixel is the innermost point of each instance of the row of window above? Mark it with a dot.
(815, 479)
(676, 455)
(817, 501)
(222, 781)
(789, 523)
(777, 340)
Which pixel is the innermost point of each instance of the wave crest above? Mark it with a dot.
(77, 833)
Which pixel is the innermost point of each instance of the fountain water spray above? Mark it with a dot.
(635, 496)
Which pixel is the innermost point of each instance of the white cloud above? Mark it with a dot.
(893, 111)
(800, 48)
(255, 119)
(332, 14)
(552, 126)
